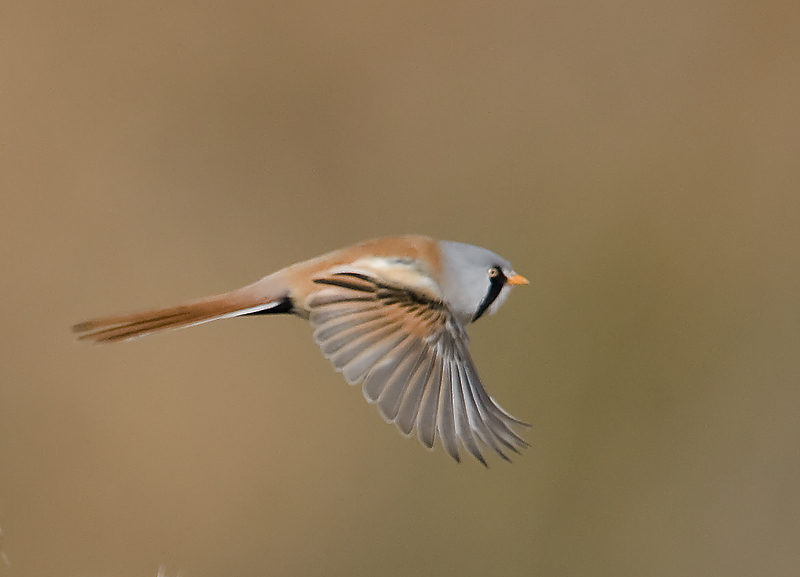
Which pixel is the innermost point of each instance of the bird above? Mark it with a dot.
(390, 314)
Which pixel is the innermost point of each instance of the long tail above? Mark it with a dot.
(240, 302)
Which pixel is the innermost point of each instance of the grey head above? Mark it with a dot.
(475, 280)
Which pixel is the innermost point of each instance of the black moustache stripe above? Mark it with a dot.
(495, 287)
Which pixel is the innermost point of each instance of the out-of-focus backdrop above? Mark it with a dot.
(638, 161)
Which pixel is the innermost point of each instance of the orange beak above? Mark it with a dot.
(517, 279)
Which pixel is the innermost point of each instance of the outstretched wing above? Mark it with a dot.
(410, 353)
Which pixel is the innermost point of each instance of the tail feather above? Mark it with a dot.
(124, 327)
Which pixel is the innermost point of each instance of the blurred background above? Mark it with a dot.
(638, 161)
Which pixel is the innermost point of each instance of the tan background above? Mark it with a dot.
(637, 160)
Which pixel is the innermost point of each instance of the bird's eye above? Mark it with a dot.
(494, 272)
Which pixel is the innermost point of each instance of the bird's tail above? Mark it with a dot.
(240, 302)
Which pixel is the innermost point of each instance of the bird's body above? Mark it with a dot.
(389, 313)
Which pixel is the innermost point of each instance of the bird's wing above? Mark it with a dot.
(410, 354)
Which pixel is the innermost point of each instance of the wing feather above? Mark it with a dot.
(410, 404)
(380, 375)
(464, 425)
(392, 395)
(429, 406)
(446, 422)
